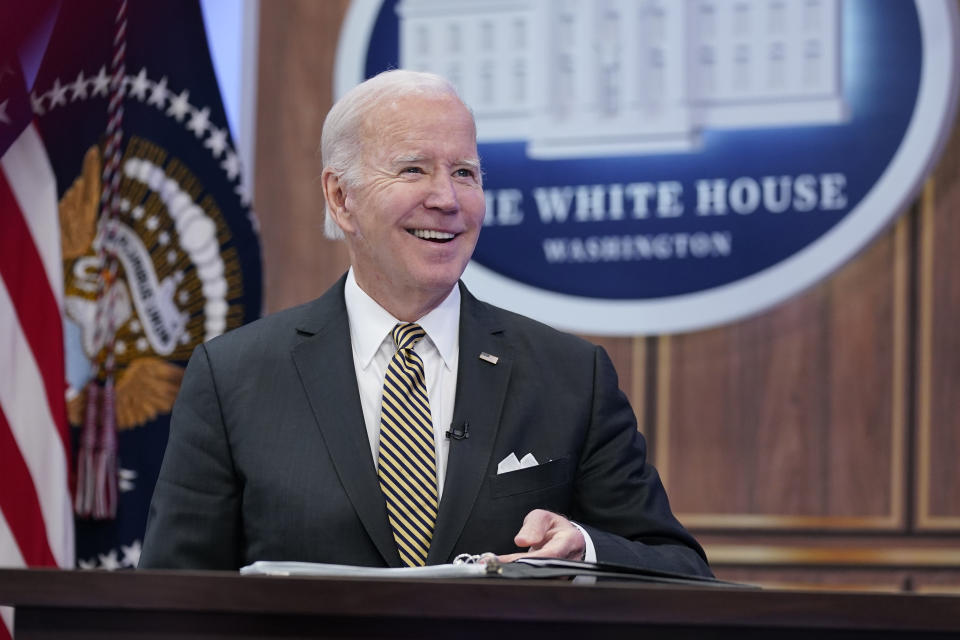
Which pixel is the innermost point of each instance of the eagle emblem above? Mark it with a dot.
(170, 287)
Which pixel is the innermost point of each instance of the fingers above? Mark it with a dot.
(547, 535)
(510, 557)
(536, 526)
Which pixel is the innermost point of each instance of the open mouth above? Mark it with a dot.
(431, 235)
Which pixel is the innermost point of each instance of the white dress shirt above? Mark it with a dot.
(373, 347)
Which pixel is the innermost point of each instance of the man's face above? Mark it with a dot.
(413, 220)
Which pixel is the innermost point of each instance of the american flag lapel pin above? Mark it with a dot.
(486, 357)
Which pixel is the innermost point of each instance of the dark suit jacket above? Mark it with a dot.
(268, 456)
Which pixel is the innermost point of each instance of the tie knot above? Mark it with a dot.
(407, 334)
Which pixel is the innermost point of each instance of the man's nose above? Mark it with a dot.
(443, 194)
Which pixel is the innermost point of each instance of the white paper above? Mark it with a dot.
(269, 568)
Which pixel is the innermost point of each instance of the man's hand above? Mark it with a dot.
(547, 535)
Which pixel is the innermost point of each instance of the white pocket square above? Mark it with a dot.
(511, 463)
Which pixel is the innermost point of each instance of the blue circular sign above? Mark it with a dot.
(656, 167)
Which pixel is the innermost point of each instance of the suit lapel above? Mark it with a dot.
(481, 389)
(322, 359)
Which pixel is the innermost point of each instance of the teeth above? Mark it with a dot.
(428, 234)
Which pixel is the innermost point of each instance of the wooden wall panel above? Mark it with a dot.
(731, 411)
(942, 582)
(794, 418)
(938, 414)
(819, 579)
(945, 582)
(836, 560)
(298, 40)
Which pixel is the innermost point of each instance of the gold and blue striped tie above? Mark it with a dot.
(406, 463)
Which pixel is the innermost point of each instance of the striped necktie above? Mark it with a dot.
(406, 464)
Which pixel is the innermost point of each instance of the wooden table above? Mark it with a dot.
(158, 604)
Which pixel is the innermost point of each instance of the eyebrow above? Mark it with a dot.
(414, 158)
(473, 163)
(409, 159)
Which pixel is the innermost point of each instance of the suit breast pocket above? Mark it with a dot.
(543, 476)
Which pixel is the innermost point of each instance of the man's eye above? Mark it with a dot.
(463, 173)
(412, 170)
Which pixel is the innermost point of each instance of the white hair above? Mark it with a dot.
(341, 143)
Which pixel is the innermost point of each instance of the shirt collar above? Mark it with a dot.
(370, 324)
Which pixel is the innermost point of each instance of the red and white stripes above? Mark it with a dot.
(36, 518)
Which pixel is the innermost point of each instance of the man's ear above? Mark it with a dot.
(335, 194)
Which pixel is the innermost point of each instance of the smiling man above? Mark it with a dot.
(397, 420)
(412, 213)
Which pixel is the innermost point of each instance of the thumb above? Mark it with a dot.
(534, 529)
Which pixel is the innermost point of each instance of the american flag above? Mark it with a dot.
(182, 234)
(36, 517)
(188, 265)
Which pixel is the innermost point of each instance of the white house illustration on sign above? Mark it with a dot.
(625, 77)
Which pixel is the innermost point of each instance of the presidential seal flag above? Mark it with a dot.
(156, 243)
